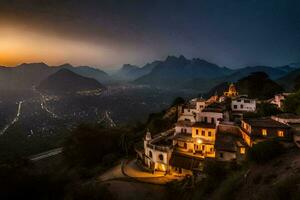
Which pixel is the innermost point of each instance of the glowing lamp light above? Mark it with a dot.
(199, 141)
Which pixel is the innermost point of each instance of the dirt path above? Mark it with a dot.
(128, 181)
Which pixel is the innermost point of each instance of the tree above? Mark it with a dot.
(292, 103)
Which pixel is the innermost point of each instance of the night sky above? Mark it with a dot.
(109, 33)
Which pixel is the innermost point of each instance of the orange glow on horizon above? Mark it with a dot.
(19, 46)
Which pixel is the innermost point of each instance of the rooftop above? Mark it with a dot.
(214, 107)
(265, 123)
(287, 116)
(204, 125)
(188, 138)
(185, 123)
(185, 161)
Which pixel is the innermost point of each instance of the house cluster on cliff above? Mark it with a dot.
(209, 129)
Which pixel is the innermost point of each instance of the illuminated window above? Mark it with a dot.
(242, 150)
(203, 133)
(209, 133)
(280, 134)
(264, 132)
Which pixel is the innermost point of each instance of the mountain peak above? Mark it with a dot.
(40, 64)
(66, 65)
(129, 67)
(65, 81)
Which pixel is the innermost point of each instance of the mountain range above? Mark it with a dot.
(173, 72)
(27, 75)
(131, 72)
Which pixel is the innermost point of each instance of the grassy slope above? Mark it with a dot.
(277, 179)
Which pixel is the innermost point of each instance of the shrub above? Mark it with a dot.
(264, 151)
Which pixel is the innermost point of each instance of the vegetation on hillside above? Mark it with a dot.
(263, 110)
(292, 103)
(258, 85)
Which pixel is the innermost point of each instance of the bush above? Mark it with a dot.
(264, 151)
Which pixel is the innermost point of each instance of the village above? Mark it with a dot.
(215, 129)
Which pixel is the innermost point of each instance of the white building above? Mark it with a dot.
(212, 114)
(158, 151)
(243, 104)
(189, 111)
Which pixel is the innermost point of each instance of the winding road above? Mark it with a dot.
(14, 120)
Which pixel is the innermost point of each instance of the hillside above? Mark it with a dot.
(89, 72)
(23, 76)
(272, 72)
(289, 80)
(66, 81)
(256, 85)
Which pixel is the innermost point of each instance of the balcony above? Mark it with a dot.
(160, 148)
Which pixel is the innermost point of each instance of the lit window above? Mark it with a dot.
(280, 134)
(242, 150)
(264, 132)
(209, 134)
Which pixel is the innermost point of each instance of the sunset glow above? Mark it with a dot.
(18, 46)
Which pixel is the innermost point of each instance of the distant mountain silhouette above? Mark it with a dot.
(24, 76)
(66, 81)
(89, 72)
(27, 75)
(207, 84)
(272, 72)
(131, 72)
(174, 71)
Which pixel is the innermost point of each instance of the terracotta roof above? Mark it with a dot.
(185, 161)
(265, 123)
